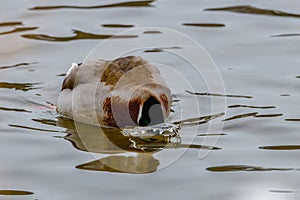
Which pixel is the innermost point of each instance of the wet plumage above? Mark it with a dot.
(128, 91)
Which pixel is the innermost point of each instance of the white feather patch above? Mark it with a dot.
(71, 68)
(140, 113)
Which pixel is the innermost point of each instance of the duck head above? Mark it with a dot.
(150, 112)
(138, 95)
(147, 106)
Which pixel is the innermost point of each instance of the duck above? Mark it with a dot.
(127, 91)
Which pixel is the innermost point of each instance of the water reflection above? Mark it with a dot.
(286, 35)
(245, 9)
(234, 168)
(45, 121)
(20, 29)
(32, 128)
(241, 116)
(15, 192)
(281, 147)
(256, 82)
(94, 139)
(293, 120)
(285, 95)
(140, 164)
(218, 95)
(154, 50)
(268, 115)
(211, 134)
(111, 141)
(282, 191)
(79, 35)
(199, 120)
(216, 25)
(124, 4)
(11, 23)
(18, 65)
(152, 32)
(14, 109)
(117, 25)
(19, 86)
(247, 106)
(160, 49)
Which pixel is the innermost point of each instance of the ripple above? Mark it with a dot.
(15, 192)
(45, 121)
(20, 29)
(215, 25)
(268, 115)
(247, 9)
(19, 86)
(282, 191)
(199, 120)
(286, 35)
(285, 95)
(235, 168)
(247, 106)
(11, 24)
(218, 95)
(212, 134)
(196, 146)
(158, 146)
(123, 4)
(17, 65)
(160, 133)
(293, 120)
(14, 109)
(154, 50)
(241, 116)
(160, 49)
(32, 128)
(117, 25)
(281, 147)
(152, 32)
(79, 35)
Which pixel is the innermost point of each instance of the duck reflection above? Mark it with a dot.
(108, 141)
(140, 164)
(112, 142)
(96, 139)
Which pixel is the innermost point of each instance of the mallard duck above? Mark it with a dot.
(127, 91)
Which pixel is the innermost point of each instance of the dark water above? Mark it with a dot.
(255, 45)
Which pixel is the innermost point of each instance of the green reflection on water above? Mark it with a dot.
(254, 10)
(15, 192)
(79, 35)
(11, 23)
(233, 168)
(20, 29)
(124, 4)
(216, 25)
(19, 86)
(117, 25)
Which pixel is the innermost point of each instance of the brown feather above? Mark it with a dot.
(70, 79)
(117, 68)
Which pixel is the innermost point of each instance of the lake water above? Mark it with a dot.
(255, 49)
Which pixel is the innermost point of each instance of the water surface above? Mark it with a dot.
(255, 46)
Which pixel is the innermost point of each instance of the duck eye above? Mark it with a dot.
(151, 113)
